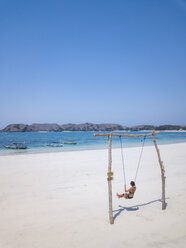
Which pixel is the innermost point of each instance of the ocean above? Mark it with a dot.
(38, 142)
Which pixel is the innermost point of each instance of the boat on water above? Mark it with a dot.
(69, 142)
(16, 146)
(55, 144)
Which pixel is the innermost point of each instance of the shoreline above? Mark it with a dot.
(17, 153)
(40, 143)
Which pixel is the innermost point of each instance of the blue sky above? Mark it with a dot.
(119, 61)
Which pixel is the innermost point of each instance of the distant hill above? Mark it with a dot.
(36, 127)
(141, 127)
(92, 127)
(160, 128)
(32, 128)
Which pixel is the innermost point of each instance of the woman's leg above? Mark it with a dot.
(125, 195)
(120, 195)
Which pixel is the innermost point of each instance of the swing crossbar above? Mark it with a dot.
(126, 135)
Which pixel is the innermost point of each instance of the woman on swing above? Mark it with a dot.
(129, 193)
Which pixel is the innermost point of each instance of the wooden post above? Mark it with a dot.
(162, 171)
(110, 178)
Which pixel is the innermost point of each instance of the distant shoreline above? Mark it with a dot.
(121, 131)
(89, 127)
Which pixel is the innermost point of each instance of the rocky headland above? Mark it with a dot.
(52, 127)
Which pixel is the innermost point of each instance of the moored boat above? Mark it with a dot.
(55, 144)
(69, 142)
(16, 146)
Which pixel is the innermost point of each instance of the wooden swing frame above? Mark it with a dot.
(110, 173)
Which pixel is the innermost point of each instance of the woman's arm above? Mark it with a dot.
(126, 190)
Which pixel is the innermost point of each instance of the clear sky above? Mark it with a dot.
(114, 61)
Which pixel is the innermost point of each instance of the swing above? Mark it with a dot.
(110, 176)
(138, 165)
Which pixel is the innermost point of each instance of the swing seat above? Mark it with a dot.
(129, 198)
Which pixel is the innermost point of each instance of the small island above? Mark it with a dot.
(89, 127)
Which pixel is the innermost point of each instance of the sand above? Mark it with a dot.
(54, 200)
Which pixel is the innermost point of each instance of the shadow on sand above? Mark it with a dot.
(134, 208)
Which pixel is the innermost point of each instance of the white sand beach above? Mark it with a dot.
(54, 200)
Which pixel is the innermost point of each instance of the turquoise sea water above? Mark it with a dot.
(41, 141)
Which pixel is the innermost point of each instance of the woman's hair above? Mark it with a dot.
(132, 183)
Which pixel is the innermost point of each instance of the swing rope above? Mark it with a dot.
(139, 161)
(124, 177)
